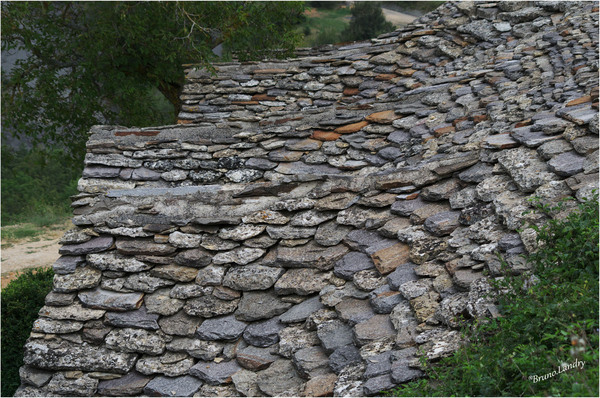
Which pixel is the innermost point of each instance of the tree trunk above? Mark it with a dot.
(171, 91)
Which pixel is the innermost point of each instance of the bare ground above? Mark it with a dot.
(41, 251)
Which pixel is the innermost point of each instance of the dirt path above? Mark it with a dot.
(41, 251)
(397, 18)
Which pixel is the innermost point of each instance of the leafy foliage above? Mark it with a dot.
(21, 301)
(367, 22)
(36, 185)
(102, 62)
(545, 326)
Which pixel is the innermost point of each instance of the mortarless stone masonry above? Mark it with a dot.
(311, 226)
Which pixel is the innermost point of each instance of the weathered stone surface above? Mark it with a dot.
(388, 259)
(334, 334)
(280, 379)
(115, 262)
(263, 334)
(34, 377)
(352, 263)
(61, 354)
(245, 383)
(255, 358)
(252, 277)
(266, 217)
(107, 300)
(241, 232)
(82, 386)
(311, 361)
(526, 170)
(376, 328)
(59, 299)
(179, 324)
(289, 232)
(300, 312)
(331, 233)
(73, 312)
(135, 319)
(215, 373)
(81, 278)
(183, 386)
(210, 276)
(93, 245)
(293, 338)
(51, 326)
(132, 383)
(175, 272)
(310, 255)
(302, 281)
(213, 242)
(320, 386)
(354, 310)
(205, 350)
(221, 328)
(209, 306)
(170, 364)
(442, 223)
(383, 300)
(368, 280)
(260, 305)
(567, 164)
(133, 247)
(160, 302)
(135, 340)
(240, 256)
(67, 264)
(193, 258)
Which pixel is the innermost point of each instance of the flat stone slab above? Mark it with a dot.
(214, 373)
(252, 277)
(221, 328)
(344, 356)
(260, 305)
(352, 263)
(67, 264)
(63, 355)
(300, 312)
(280, 379)
(132, 383)
(263, 334)
(162, 386)
(136, 319)
(354, 310)
(376, 328)
(112, 301)
(94, 245)
(334, 334)
(567, 164)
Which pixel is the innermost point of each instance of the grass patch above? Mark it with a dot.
(21, 301)
(545, 327)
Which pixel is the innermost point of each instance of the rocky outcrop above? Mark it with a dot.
(312, 226)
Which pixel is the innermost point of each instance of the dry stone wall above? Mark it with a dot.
(313, 226)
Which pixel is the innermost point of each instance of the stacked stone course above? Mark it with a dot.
(313, 226)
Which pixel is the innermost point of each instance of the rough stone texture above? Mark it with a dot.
(348, 201)
(214, 373)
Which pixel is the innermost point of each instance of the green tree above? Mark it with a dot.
(106, 62)
(367, 22)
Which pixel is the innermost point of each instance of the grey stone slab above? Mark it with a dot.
(221, 328)
(383, 300)
(406, 207)
(567, 164)
(331, 233)
(263, 334)
(375, 385)
(112, 301)
(135, 319)
(280, 379)
(162, 386)
(302, 281)
(352, 263)
(81, 278)
(310, 255)
(132, 383)
(214, 373)
(404, 273)
(94, 245)
(82, 386)
(135, 340)
(205, 350)
(300, 312)
(34, 377)
(260, 305)
(255, 358)
(67, 264)
(443, 223)
(378, 327)
(378, 365)
(344, 356)
(334, 334)
(311, 361)
(354, 310)
(209, 306)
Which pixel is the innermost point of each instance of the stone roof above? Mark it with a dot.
(311, 226)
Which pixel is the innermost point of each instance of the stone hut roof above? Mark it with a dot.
(311, 226)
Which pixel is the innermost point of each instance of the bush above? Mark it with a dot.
(367, 22)
(36, 185)
(21, 301)
(545, 327)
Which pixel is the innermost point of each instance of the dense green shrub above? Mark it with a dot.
(545, 327)
(36, 185)
(367, 22)
(21, 301)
